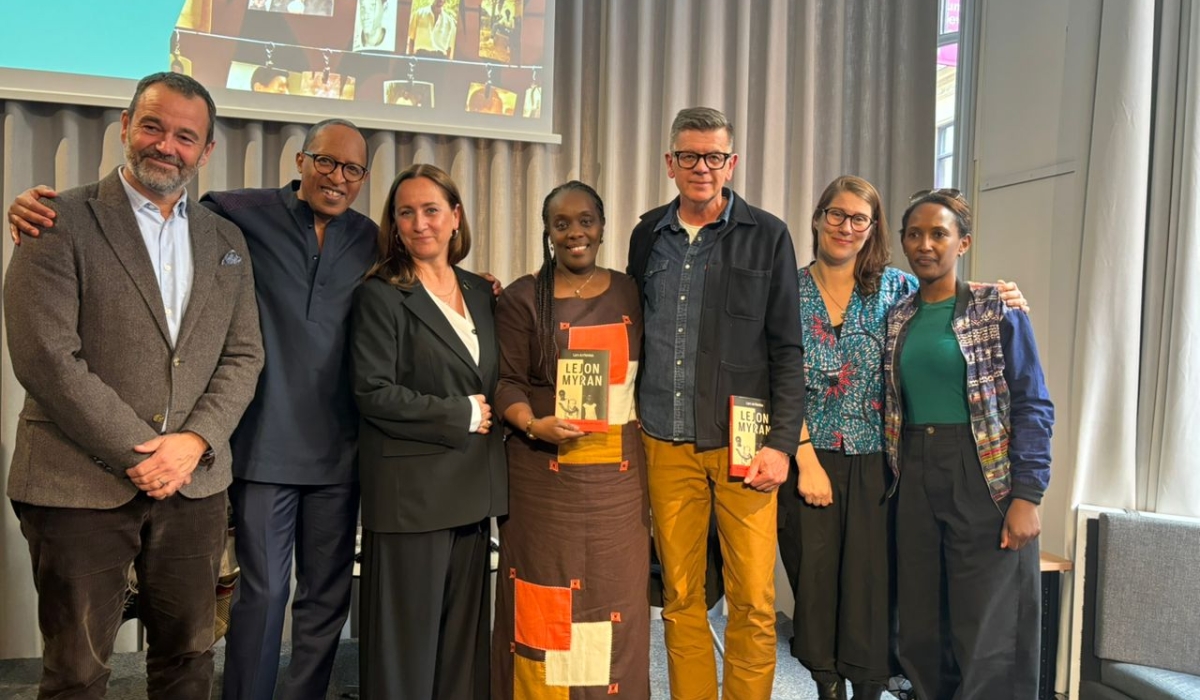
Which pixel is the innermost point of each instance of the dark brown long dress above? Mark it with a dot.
(572, 616)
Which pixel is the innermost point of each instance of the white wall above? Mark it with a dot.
(1036, 85)
(1037, 74)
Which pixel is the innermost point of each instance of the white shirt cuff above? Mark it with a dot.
(476, 415)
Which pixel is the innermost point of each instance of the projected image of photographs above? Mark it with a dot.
(375, 25)
(321, 8)
(256, 78)
(315, 83)
(269, 79)
(531, 108)
(433, 28)
(499, 21)
(485, 98)
(442, 64)
(408, 93)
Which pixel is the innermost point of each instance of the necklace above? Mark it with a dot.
(579, 290)
(445, 295)
(828, 294)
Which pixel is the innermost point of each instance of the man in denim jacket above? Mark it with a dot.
(717, 278)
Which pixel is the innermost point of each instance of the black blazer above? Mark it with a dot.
(419, 467)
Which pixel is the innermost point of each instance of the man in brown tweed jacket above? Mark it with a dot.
(133, 327)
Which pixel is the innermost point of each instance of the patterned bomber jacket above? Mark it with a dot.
(1010, 409)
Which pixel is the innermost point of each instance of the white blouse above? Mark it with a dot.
(464, 327)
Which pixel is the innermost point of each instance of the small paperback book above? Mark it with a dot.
(749, 423)
(582, 389)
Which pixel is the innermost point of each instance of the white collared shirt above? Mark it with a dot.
(169, 244)
(464, 327)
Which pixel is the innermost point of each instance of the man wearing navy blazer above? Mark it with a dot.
(134, 330)
(295, 488)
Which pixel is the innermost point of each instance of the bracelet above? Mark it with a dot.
(529, 429)
(805, 441)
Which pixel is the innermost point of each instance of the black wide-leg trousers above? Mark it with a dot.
(969, 611)
(425, 615)
(838, 561)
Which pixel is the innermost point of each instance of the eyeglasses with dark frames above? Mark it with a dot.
(325, 165)
(942, 191)
(858, 222)
(688, 159)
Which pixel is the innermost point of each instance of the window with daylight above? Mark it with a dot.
(946, 111)
(944, 158)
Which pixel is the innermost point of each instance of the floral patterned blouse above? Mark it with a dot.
(844, 372)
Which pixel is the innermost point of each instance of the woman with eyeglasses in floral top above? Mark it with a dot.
(834, 513)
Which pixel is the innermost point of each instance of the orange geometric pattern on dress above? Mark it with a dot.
(576, 584)
(624, 465)
(614, 688)
(593, 448)
(512, 572)
(553, 466)
(529, 681)
(563, 325)
(626, 320)
(614, 616)
(613, 337)
(542, 616)
(590, 660)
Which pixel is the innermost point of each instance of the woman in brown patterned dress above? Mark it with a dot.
(572, 617)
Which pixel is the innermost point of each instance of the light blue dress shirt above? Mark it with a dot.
(169, 245)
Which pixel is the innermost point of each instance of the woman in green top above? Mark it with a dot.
(834, 516)
(967, 419)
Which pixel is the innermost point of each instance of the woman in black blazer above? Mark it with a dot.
(431, 462)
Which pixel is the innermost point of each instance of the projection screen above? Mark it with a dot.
(461, 67)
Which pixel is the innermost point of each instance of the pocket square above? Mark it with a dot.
(231, 258)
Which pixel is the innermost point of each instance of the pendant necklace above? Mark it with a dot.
(579, 290)
(821, 284)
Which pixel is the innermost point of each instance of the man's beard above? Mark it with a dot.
(158, 180)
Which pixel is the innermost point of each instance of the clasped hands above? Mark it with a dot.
(173, 458)
(485, 414)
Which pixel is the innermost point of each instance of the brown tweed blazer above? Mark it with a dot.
(88, 339)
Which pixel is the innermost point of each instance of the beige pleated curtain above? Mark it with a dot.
(814, 88)
(1137, 338)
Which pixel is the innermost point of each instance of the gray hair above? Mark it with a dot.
(317, 128)
(699, 119)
